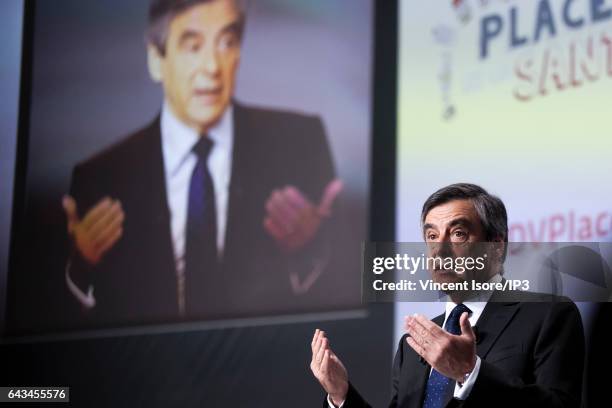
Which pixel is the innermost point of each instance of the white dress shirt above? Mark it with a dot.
(179, 161)
(476, 304)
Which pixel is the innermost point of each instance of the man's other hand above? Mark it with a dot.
(451, 355)
(328, 368)
(292, 220)
(99, 229)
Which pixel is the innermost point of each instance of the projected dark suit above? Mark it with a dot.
(532, 356)
(136, 281)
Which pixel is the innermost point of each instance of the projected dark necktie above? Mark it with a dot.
(201, 233)
(440, 388)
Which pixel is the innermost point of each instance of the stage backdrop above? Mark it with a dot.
(513, 96)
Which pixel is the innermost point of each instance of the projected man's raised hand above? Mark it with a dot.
(98, 231)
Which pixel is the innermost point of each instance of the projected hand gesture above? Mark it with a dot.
(99, 229)
(328, 369)
(292, 220)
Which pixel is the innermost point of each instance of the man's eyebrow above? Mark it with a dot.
(233, 27)
(461, 221)
(428, 226)
(188, 34)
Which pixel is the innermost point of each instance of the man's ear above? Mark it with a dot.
(500, 246)
(154, 62)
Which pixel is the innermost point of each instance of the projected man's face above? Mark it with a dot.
(199, 67)
(452, 230)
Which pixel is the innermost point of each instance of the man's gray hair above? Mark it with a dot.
(162, 12)
(490, 209)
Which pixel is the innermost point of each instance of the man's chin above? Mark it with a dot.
(206, 116)
(446, 276)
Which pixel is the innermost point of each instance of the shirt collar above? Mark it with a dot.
(178, 139)
(477, 302)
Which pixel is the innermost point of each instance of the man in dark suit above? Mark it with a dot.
(213, 210)
(525, 349)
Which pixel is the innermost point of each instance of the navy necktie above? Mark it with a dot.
(440, 388)
(201, 262)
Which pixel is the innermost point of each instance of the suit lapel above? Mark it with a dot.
(154, 214)
(494, 319)
(240, 179)
(154, 167)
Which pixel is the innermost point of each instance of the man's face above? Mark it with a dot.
(453, 230)
(198, 70)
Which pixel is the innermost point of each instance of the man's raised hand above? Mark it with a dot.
(451, 355)
(292, 220)
(328, 369)
(98, 231)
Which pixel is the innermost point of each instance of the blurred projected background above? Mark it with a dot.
(513, 96)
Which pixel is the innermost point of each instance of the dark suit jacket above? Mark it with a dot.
(531, 353)
(136, 281)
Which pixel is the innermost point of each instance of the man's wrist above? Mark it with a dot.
(337, 401)
(462, 391)
(339, 398)
(461, 379)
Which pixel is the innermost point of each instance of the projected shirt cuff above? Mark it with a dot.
(86, 299)
(331, 405)
(463, 391)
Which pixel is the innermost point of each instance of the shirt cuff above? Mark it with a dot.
(463, 391)
(331, 405)
(86, 299)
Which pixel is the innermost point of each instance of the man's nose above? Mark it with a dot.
(209, 61)
(441, 248)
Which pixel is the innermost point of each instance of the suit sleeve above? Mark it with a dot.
(308, 158)
(395, 373)
(355, 400)
(558, 359)
(78, 271)
(316, 169)
(325, 171)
